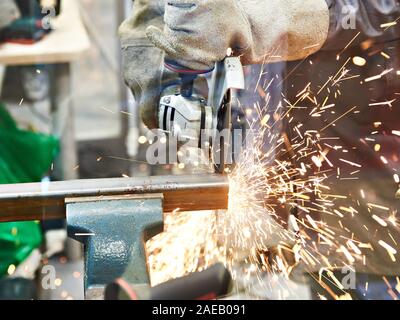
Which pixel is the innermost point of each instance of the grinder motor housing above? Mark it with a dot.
(186, 115)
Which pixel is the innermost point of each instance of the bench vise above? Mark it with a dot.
(113, 217)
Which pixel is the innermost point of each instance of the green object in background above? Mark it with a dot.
(24, 157)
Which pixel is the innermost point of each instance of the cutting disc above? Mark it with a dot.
(221, 150)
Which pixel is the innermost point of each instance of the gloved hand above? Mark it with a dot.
(198, 33)
(142, 61)
(142, 72)
(8, 12)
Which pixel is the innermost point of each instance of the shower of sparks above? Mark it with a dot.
(187, 245)
(277, 174)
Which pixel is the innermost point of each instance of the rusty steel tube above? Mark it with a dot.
(46, 200)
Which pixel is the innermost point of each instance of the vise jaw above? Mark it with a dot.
(113, 230)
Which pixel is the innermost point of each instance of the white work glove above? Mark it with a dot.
(198, 33)
(8, 12)
(142, 65)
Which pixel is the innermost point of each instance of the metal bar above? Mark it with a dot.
(46, 200)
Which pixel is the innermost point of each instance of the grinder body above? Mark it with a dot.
(205, 121)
